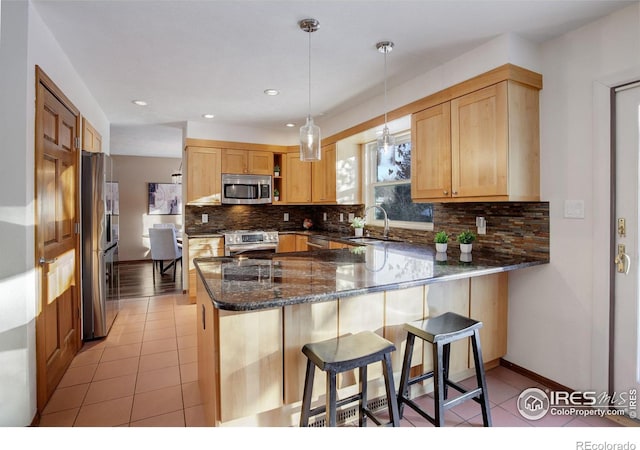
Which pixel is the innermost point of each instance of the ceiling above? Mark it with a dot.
(187, 58)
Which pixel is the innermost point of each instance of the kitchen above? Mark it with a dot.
(568, 285)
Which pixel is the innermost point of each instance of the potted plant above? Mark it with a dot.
(276, 170)
(466, 239)
(441, 240)
(358, 225)
(276, 195)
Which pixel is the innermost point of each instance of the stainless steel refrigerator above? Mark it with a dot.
(100, 280)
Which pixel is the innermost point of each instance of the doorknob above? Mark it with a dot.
(622, 260)
(44, 260)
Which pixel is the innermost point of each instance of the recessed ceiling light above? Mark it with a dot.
(290, 125)
(208, 116)
(139, 102)
(271, 91)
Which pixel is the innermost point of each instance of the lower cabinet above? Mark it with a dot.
(201, 248)
(251, 369)
(286, 243)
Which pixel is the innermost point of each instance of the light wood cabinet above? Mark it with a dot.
(489, 298)
(208, 346)
(323, 176)
(482, 146)
(431, 154)
(286, 243)
(91, 139)
(203, 169)
(301, 243)
(313, 182)
(297, 179)
(200, 248)
(253, 162)
(251, 370)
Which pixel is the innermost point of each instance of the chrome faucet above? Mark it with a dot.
(385, 233)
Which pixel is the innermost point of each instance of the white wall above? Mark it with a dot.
(25, 42)
(558, 317)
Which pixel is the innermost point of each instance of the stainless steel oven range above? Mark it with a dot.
(239, 242)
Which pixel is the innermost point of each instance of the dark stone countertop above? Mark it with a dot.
(278, 279)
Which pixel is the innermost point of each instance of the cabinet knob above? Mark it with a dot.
(446, 192)
(455, 192)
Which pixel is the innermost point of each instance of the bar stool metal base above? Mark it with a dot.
(441, 331)
(340, 355)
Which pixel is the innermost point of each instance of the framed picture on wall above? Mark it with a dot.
(112, 198)
(165, 198)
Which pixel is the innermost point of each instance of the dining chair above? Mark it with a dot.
(164, 247)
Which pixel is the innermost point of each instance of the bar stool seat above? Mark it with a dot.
(341, 354)
(441, 331)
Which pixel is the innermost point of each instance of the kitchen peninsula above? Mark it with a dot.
(255, 314)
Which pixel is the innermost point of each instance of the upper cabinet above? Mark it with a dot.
(313, 182)
(247, 161)
(323, 176)
(91, 139)
(203, 168)
(297, 179)
(482, 146)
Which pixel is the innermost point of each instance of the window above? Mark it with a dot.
(388, 184)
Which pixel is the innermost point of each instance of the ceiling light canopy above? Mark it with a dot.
(208, 116)
(139, 102)
(271, 92)
(310, 132)
(386, 141)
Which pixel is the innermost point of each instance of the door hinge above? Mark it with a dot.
(77, 227)
(78, 143)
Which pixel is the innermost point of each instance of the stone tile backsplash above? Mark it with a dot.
(512, 227)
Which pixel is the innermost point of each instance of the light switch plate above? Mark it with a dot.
(286, 217)
(341, 217)
(324, 216)
(351, 217)
(205, 218)
(574, 209)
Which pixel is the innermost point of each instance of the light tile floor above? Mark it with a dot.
(144, 374)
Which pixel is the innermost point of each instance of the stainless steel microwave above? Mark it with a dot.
(238, 189)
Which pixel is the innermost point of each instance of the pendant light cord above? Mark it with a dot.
(309, 32)
(385, 87)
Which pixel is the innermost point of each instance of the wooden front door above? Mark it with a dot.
(56, 241)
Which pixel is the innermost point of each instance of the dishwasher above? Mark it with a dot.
(317, 243)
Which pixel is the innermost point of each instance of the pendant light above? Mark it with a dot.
(310, 132)
(386, 141)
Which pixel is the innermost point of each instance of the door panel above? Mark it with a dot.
(625, 356)
(57, 246)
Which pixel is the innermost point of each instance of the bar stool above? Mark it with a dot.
(344, 353)
(441, 331)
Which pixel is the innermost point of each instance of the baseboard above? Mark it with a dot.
(554, 386)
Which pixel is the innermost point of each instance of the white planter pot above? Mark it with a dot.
(276, 199)
(465, 248)
(276, 174)
(441, 248)
(358, 231)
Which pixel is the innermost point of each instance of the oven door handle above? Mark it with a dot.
(238, 249)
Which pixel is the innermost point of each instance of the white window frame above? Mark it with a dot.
(370, 168)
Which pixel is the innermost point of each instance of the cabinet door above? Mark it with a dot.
(489, 298)
(479, 143)
(235, 161)
(201, 248)
(204, 166)
(323, 176)
(297, 179)
(431, 153)
(301, 243)
(260, 163)
(286, 243)
(91, 139)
